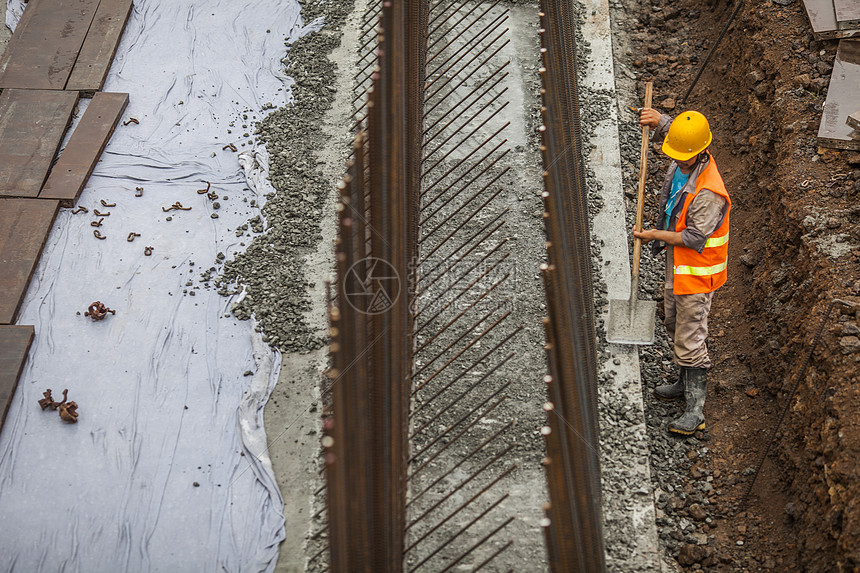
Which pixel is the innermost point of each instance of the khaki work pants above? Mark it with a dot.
(687, 324)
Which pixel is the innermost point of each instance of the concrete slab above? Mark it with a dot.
(629, 526)
(822, 18)
(841, 101)
(847, 14)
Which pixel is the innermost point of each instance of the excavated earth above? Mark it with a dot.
(795, 246)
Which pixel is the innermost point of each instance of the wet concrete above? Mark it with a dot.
(514, 173)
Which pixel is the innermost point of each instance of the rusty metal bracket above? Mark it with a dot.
(98, 311)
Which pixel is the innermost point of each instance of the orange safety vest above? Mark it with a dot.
(706, 272)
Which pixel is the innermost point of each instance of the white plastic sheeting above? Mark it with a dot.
(166, 468)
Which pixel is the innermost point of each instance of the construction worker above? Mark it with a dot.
(693, 228)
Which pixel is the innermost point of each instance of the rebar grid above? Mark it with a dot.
(573, 527)
(464, 326)
(371, 352)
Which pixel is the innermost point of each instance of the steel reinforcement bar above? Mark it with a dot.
(573, 523)
(365, 431)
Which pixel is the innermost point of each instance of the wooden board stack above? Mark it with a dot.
(61, 51)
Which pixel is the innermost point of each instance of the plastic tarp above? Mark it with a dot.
(166, 468)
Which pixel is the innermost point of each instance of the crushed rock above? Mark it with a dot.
(271, 270)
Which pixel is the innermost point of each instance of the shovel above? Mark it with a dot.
(632, 321)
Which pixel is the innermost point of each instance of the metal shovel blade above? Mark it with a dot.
(631, 321)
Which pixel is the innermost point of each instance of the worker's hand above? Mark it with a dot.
(649, 117)
(645, 235)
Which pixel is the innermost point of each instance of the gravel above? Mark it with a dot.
(683, 490)
(271, 270)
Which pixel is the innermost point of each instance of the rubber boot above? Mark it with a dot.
(671, 391)
(695, 382)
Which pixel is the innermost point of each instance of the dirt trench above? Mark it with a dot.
(795, 245)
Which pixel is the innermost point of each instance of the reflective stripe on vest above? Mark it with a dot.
(706, 271)
(717, 241)
(700, 271)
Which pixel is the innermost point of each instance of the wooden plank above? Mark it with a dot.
(822, 18)
(48, 43)
(24, 228)
(841, 98)
(85, 146)
(100, 45)
(847, 13)
(32, 124)
(14, 345)
(23, 22)
(853, 120)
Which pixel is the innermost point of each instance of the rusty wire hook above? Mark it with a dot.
(97, 310)
(177, 206)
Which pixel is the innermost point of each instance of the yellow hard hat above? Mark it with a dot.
(688, 136)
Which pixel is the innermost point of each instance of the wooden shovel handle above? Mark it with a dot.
(643, 174)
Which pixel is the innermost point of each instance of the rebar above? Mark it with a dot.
(790, 398)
